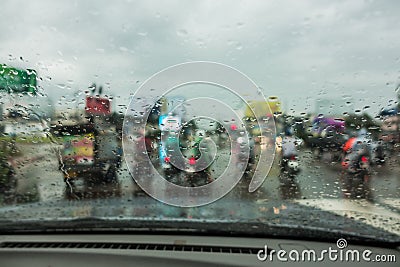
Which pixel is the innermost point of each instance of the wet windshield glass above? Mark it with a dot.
(203, 113)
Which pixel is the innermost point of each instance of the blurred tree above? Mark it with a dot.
(356, 122)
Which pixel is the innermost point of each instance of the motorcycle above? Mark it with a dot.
(290, 166)
(171, 173)
(356, 176)
(288, 185)
(377, 153)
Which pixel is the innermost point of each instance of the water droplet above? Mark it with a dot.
(182, 32)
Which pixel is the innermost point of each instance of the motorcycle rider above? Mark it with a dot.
(288, 148)
(356, 162)
(196, 148)
(356, 150)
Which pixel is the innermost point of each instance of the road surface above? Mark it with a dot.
(319, 184)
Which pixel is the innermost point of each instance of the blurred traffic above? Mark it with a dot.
(77, 154)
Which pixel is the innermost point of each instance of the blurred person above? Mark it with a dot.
(356, 150)
(356, 166)
(288, 148)
(289, 143)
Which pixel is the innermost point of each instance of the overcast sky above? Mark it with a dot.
(299, 51)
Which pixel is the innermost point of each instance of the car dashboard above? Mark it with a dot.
(168, 250)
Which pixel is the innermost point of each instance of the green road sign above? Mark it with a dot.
(13, 80)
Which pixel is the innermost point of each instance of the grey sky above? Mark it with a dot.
(297, 50)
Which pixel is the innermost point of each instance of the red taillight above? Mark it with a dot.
(192, 161)
(364, 159)
(345, 164)
(167, 159)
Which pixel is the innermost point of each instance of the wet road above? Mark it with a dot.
(323, 178)
(319, 184)
(37, 173)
